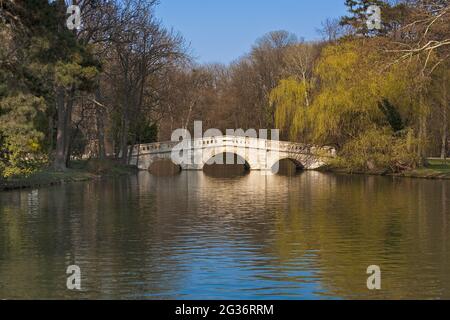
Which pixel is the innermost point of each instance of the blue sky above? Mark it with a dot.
(223, 30)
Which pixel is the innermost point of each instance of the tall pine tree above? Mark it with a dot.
(358, 10)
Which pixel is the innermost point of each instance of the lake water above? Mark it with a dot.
(200, 236)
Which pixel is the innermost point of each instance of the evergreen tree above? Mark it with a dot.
(358, 18)
(42, 64)
(392, 115)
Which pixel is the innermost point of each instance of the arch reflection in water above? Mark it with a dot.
(287, 167)
(226, 165)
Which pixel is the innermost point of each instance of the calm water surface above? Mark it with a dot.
(197, 236)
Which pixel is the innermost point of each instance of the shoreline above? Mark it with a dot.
(414, 174)
(80, 171)
(437, 169)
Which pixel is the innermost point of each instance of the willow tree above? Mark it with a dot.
(290, 99)
(357, 104)
(347, 101)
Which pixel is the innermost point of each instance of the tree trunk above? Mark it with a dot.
(99, 113)
(64, 104)
(188, 117)
(444, 141)
(124, 141)
(423, 115)
(125, 124)
(59, 163)
(50, 135)
(68, 127)
(444, 136)
(100, 135)
(130, 150)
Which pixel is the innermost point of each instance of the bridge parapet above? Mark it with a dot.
(259, 154)
(235, 141)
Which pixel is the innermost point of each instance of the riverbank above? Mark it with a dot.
(435, 169)
(96, 169)
(78, 171)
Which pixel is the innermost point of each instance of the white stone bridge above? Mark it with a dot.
(255, 153)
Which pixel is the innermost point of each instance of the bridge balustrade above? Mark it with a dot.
(235, 141)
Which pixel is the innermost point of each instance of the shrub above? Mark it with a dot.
(380, 150)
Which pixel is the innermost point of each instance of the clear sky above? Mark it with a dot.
(223, 30)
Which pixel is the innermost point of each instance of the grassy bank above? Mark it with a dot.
(78, 171)
(435, 169)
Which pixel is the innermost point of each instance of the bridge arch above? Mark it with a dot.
(293, 160)
(223, 156)
(286, 159)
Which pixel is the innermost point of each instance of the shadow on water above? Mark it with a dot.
(287, 168)
(227, 165)
(164, 168)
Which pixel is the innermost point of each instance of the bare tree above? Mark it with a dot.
(267, 62)
(331, 30)
(426, 32)
(142, 47)
(299, 62)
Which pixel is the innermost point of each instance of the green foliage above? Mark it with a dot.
(146, 132)
(143, 131)
(393, 117)
(378, 149)
(21, 142)
(357, 104)
(289, 98)
(38, 55)
(347, 101)
(74, 74)
(358, 14)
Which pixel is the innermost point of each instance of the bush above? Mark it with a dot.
(21, 138)
(380, 150)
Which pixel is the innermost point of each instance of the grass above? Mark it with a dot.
(435, 169)
(439, 164)
(78, 171)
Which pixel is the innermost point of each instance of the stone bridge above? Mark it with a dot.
(255, 153)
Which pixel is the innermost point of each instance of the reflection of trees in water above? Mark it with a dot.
(360, 221)
(102, 227)
(137, 261)
(136, 230)
(338, 225)
(164, 167)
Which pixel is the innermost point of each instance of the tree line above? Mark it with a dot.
(72, 92)
(380, 96)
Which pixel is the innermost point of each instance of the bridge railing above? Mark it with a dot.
(234, 141)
